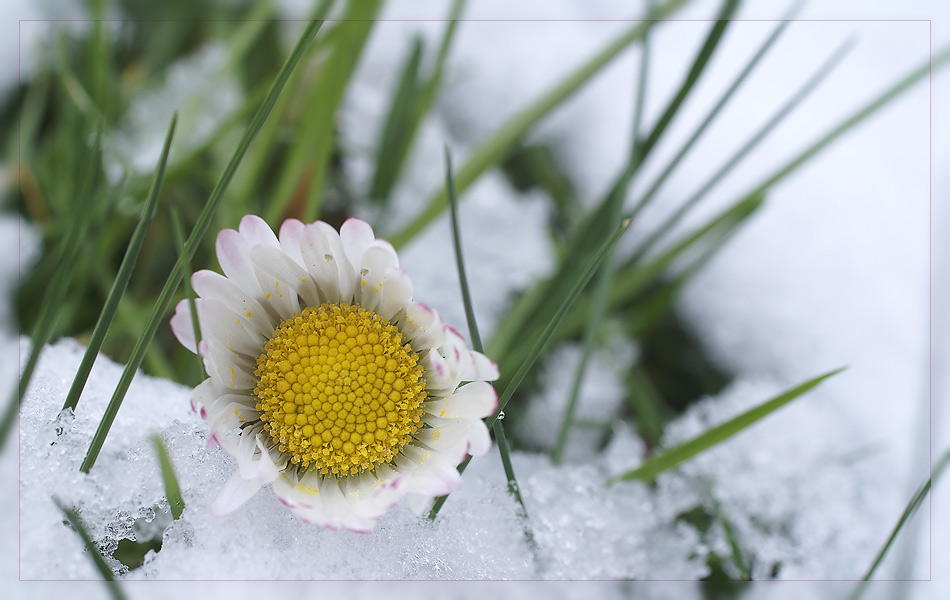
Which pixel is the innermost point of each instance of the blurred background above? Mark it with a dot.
(763, 283)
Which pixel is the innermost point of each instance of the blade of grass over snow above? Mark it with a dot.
(115, 591)
(631, 281)
(683, 452)
(497, 428)
(410, 104)
(121, 281)
(178, 229)
(714, 112)
(201, 227)
(737, 555)
(614, 206)
(699, 64)
(746, 148)
(938, 61)
(390, 149)
(544, 339)
(497, 147)
(172, 490)
(67, 255)
(307, 166)
(919, 496)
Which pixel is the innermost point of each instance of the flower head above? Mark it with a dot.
(326, 379)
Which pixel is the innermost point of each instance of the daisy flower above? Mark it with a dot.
(326, 379)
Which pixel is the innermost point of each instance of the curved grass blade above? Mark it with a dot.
(497, 428)
(746, 148)
(115, 591)
(122, 277)
(178, 229)
(683, 452)
(614, 204)
(632, 281)
(67, 257)
(201, 227)
(493, 150)
(533, 310)
(717, 108)
(919, 496)
(172, 489)
(544, 339)
(699, 65)
(938, 61)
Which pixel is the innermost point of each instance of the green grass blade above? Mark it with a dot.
(614, 204)
(497, 428)
(743, 151)
(632, 280)
(178, 229)
(699, 65)
(717, 108)
(391, 148)
(67, 257)
(543, 340)
(683, 452)
(737, 555)
(314, 145)
(201, 227)
(938, 61)
(919, 496)
(497, 147)
(411, 103)
(115, 591)
(172, 489)
(121, 281)
(459, 257)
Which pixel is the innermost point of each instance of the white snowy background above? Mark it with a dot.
(835, 270)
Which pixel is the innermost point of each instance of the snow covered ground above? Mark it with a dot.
(834, 271)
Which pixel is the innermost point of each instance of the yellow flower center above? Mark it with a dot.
(339, 390)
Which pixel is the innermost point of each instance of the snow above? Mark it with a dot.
(833, 271)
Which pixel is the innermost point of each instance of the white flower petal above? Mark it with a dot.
(438, 374)
(291, 237)
(225, 329)
(228, 370)
(473, 400)
(257, 232)
(376, 262)
(322, 264)
(395, 293)
(231, 411)
(233, 254)
(235, 492)
(422, 326)
(214, 286)
(287, 278)
(484, 368)
(182, 325)
(419, 503)
(356, 236)
(346, 269)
